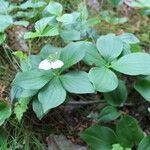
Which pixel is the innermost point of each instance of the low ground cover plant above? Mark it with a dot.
(45, 79)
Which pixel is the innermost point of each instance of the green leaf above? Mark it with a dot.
(108, 113)
(2, 37)
(34, 79)
(69, 19)
(31, 35)
(25, 14)
(77, 82)
(5, 111)
(4, 7)
(129, 38)
(136, 48)
(93, 21)
(82, 8)
(43, 28)
(144, 144)
(72, 54)
(117, 147)
(38, 109)
(21, 23)
(27, 93)
(116, 2)
(66, 19)
(104, 79)
(113, 49)
(128, 131)
(99, 137)
(41, 24)
(21, 107)
(140, 4)
(92, 56)
(54, 8)
(25, 65)
(5, 21)
(116, 20)
(143, 87)
(110, 17)
(49, 49)
(133, 64)
(20, 55)
(126, 49)
(17, 93)
(31, 4)
(70, 35)
(118, 96)
(52, 95)
(49, 31)
(34, 61)
(29, 63)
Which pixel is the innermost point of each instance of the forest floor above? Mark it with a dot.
(70, 119)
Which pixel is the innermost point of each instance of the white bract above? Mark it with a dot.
(47, 65)
(57, 64)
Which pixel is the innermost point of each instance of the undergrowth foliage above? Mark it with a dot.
(45, 79)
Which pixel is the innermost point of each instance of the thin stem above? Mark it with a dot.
(29, 53)
(15, 60)
(85, 102)
(5, 50)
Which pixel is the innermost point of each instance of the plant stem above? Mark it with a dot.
(85, 102)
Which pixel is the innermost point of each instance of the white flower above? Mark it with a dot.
(47, 65)
(57, 64)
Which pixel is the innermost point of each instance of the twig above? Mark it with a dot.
(85, 102)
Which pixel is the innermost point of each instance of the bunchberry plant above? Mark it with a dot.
(108, 57)
(70, 26)
(43, 77)
(41, 72)
(112, 55)
(126, 135)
